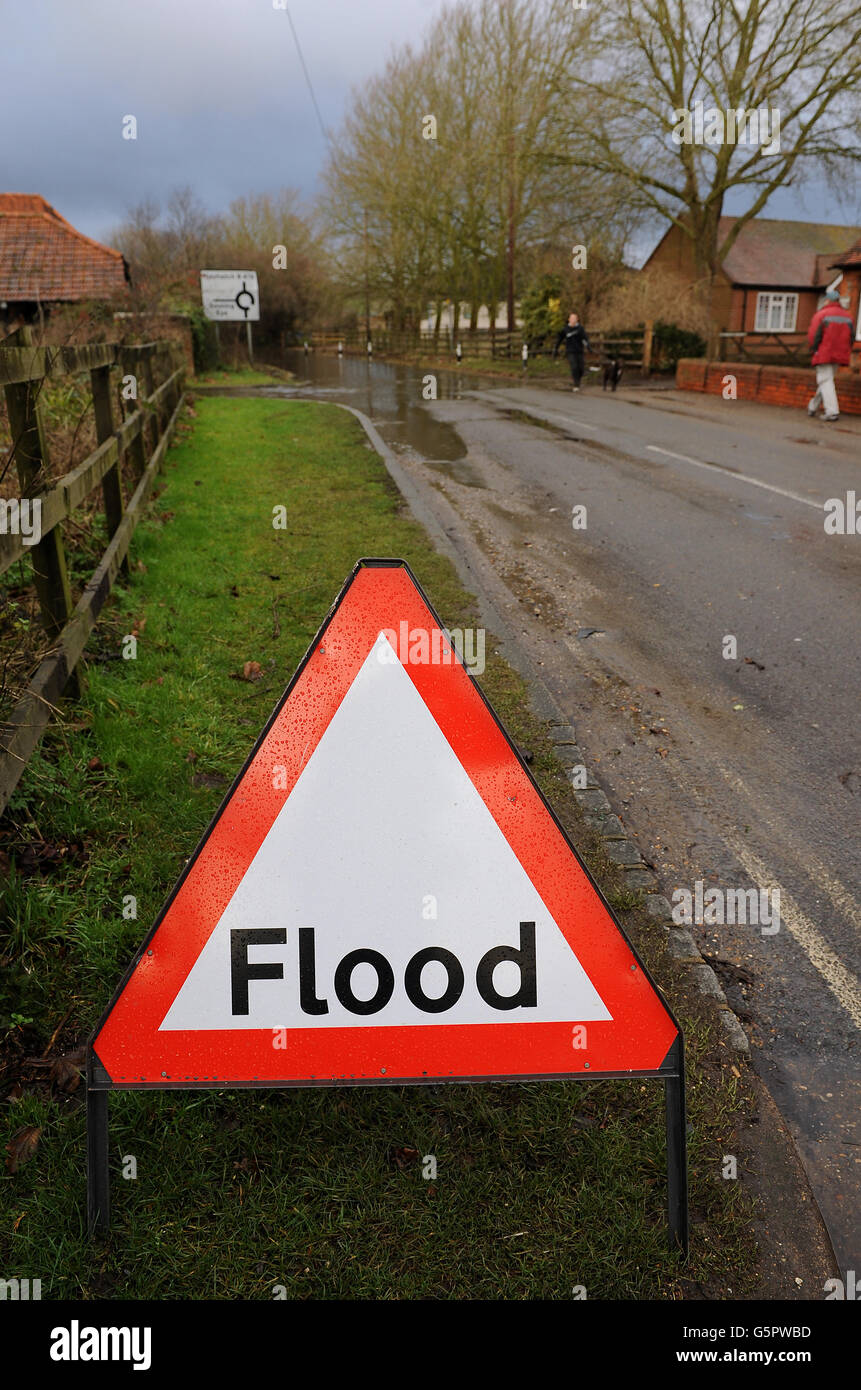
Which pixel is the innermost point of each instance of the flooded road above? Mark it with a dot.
(389, 394)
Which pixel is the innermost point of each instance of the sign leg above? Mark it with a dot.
(250, 350)
(677, 1154)
(98, 1173)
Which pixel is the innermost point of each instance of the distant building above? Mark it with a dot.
(45, 261)
(446, 319)
(849, 264)
(773, 278)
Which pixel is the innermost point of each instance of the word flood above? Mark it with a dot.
(243, 972)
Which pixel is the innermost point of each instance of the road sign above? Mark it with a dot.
(230, 295)
(384, 897)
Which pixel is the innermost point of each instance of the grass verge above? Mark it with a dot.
(241, 376)
(539, 1187)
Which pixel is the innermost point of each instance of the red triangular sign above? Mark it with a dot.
(384, 894)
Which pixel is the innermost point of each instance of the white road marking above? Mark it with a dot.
(569, 420)
(545, 414)
(839, 894)
(739, 477)
(845, 987)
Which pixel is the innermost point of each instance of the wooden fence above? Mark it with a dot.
(781, 349)
(142, 437)
(634, 348)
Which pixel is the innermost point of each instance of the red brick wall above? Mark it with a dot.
(790, 386)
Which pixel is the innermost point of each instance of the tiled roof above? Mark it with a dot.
(849, 259)
(43, 257)
(790, 255)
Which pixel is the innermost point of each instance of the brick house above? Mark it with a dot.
(45, 261)
(849, 264)
(771, 281)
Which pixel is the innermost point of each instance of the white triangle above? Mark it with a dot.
(382, 820)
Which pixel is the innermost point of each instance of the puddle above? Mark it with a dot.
(389, 393)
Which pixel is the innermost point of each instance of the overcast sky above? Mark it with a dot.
(218, 93)
(216, 85)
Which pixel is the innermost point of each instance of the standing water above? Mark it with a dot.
(390, 394)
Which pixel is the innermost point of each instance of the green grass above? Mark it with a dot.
(541, 369)
(539, 1187)
(241, 376)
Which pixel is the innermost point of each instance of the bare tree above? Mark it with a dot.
(529, 48)
(374, 190)
(796, 63)
(167, 254)
(189, 229)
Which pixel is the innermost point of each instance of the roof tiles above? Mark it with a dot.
(43, 257)
(791, 255)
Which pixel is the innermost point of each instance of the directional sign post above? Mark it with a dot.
(231, 296)
(384, 898)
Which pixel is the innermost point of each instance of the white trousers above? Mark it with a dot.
(826, 392)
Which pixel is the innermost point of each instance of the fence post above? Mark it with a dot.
(178, 386)
(112, 492)
(647, 347)
(162, 373)
(50, 575)
(153, 414)
(174, 363)
(137, 447)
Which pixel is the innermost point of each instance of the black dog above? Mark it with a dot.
(612, 373)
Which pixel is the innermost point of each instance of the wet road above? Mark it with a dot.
(704, 521)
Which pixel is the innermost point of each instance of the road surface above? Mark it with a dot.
(705, 522)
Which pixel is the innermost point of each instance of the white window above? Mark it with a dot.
(776, 313)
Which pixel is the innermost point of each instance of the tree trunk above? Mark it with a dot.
(510, 265)
(474, 311)
(705, 223)
(511, 236)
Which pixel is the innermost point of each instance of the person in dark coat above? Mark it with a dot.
(575, 339)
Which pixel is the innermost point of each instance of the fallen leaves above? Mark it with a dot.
(40, 856)
(208, 779)
(251, 671)
(21, 1147)
(66, 1071)
(402, 1156)
(248, 1164)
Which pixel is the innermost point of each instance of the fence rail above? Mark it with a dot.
(143, 438)
(634, 347)
(791, 349)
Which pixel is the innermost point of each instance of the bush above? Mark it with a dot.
(669, 343)
(540, 310)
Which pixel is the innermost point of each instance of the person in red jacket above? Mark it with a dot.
(830, 335)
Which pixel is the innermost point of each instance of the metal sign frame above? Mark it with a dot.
(671, 1071)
